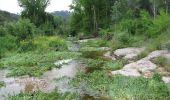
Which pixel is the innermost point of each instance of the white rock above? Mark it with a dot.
(166, 79)
(137, 68)
(141, 65)
(128, 53)
(126, 72)
(145, 66)
(155, 54)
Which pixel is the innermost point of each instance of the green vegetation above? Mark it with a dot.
(34, 63)
(99, 83)
(43, 96)
(31, 43)
(2, 84)
(162, 62)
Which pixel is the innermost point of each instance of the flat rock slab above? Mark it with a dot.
(155, 54)
(138, 68)
(127, 72)
(128, 53)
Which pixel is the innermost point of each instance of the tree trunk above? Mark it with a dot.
(95, 20)
(154, 9)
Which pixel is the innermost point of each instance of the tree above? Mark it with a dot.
(91, 14)
(155, 6)
(34, 10)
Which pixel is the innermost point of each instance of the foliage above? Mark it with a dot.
(22, 30)
(7, 43)
(59, 45)
(90, 15)
(2, 84)
(34, 10)
(160, 24)
(98, 42)
(56, 43)
(27, 46)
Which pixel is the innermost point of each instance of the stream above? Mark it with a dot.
(57, 78)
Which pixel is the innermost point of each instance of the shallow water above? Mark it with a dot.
(45, 83)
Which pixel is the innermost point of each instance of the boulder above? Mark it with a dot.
(143, 67)
(128, 53)
(127, 72)
(155, 54)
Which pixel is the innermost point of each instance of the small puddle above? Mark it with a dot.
(46, 83)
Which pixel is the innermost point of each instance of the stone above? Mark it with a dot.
(126, 72)
(143, 67)
(128, 53)
(155, 54)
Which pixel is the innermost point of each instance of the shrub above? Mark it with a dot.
(23, 29)
(27, 46)
(7, 43)
(160, 24)
(1, 84)
(58, 45)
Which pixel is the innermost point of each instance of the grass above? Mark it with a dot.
(48, 50)
(98, 42)
(33, 63)
(99, 83)
(162, 62)
(43, 96)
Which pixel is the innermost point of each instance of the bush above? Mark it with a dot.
(160, 24)
(58, 45)
(23, 29)
(27, 46)
(7, 43)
